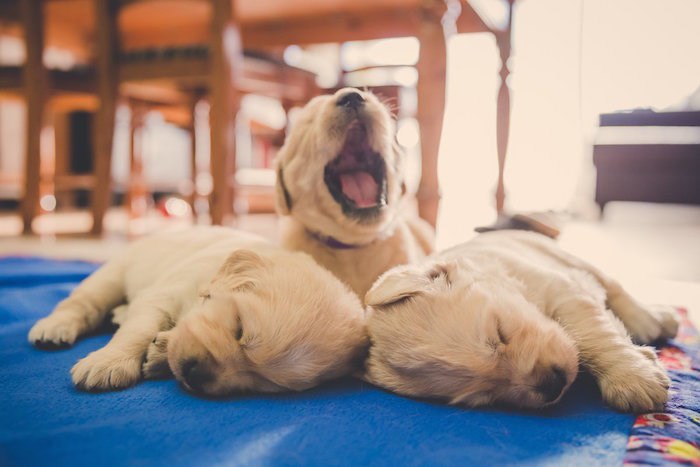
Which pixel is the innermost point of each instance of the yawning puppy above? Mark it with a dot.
(226, 310)
(506, 318)
(340, 181)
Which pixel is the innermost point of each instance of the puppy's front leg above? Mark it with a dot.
(84, 310)
(118, 364)
(629, 376)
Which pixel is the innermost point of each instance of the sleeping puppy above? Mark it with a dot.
(340, 181)
(224, 310)
(507, 318)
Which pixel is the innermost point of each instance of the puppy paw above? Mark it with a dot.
(155, 365)
(653, 323)
(119, 314)
(638, 387)
(106, 370)
(55, 331)
(648, 353)
(668, 318)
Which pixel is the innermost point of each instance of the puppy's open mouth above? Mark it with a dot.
(356, 178)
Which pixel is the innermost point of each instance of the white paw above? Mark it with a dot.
(639, 385)
(55, 331)
(648, 353)
(119, 314)
(155, 365)
(668, 318)
(106, 369)
(652, 323)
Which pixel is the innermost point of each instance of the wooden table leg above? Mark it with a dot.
(107, 88)
(224, 101)
(192, 131)
(35, 83)
(136, 203)
(503, 40)
(432, 76)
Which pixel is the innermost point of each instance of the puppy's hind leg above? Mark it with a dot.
(118, 364)
(645, 324)
(84, 310)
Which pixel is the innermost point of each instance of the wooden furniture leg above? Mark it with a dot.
(503, 40)
(107, 87)
(35, 83)
(136, 204)
(192, 130)
(432, 76)
(224, 100)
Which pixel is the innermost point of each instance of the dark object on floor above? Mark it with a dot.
(647, 166)
(545, 223)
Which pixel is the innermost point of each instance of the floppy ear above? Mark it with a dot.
(397, 284)
(403, 282)
(239, 270)
(283, 200)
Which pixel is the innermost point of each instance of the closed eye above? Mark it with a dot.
(239, 330)
(501, 338)
(205, 295)
(398, 301)
(501, 335)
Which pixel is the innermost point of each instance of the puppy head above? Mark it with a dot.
(340, 172)
(441, 331)
(268, 323)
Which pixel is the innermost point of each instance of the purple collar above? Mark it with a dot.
(332, 242)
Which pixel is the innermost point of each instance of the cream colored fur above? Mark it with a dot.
(254, 316)
(395, 236)
(495, 319)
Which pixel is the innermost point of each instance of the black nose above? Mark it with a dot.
(352, 99)
(195, 374)
(552, 383)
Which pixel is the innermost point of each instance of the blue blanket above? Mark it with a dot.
(44, 420)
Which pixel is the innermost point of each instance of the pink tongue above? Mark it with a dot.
(360, 187)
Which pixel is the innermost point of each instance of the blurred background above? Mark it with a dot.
(602, 110)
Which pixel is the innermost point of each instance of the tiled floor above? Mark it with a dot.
(654, 250)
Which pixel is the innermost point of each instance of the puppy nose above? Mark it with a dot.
(552, 384)
(195, 374)
(352, 99)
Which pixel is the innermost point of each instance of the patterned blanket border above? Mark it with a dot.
(673, 437)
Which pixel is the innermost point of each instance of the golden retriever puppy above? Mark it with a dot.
(507, 318)
(226, 310)
(340, 181)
